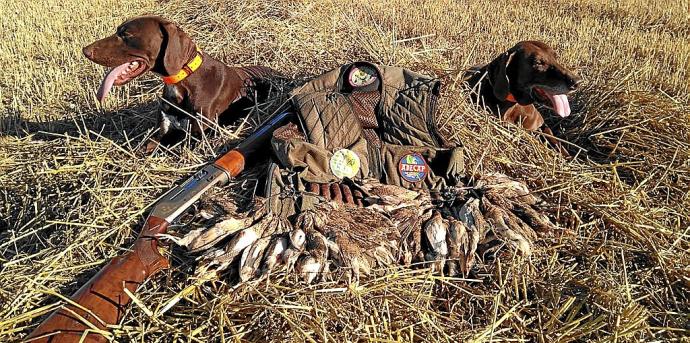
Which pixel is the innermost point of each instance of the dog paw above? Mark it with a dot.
(149, 147)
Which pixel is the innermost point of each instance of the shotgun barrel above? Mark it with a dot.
(102, 300)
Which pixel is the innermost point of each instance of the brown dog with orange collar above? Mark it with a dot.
(196, 83)
(527, 73)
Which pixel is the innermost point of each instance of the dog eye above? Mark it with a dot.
(539, 65)
(124, 35)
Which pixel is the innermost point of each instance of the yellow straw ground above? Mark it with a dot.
(73, 192)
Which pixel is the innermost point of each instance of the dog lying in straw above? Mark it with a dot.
(513, 82)
(195, 82)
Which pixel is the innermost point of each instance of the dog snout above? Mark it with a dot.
(574, 82)
(88, 51)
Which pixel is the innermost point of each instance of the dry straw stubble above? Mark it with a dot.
(72, 192)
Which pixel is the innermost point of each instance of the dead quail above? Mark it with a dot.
(252, 257)
(243, 239)
(497, 184)
(477, 227)
(308, 267)
(458, 245)
(297, 239)
(537, 221)
(213, 206)
(313, 261)
(388, 197)
(435, 232)
(235, 246)
(507, 229)
(205, 238)
(275, 251)
(409, 221)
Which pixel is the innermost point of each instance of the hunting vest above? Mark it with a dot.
(363, 120)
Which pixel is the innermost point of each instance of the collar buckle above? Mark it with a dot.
(188, 69)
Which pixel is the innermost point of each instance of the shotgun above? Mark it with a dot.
(102, 300)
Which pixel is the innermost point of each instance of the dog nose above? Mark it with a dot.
(88, 52)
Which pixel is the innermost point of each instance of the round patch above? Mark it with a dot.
(413, 168)
(361, 76)
(344, 163)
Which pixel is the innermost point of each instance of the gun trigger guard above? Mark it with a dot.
(147, 251)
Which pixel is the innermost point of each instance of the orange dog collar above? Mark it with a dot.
(510, 97)
(187, 69)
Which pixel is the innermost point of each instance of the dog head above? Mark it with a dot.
(530, 72)
(139, 45)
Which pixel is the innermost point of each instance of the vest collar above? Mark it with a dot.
(186, 70)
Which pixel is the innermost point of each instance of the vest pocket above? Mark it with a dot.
(421, 166)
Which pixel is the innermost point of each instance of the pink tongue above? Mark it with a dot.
(560, 104)
(108, 81)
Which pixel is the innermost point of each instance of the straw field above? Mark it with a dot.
(74, 192)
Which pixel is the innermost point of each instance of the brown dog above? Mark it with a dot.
(195, 82)
(526, 73)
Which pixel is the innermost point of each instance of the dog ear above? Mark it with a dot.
(176, 49)
(498, 73)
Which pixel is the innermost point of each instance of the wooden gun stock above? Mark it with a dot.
(102, 300)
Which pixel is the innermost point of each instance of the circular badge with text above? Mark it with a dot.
(344, 163)
(413, 168)
(361, 76)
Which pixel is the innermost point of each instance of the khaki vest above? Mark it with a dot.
(406, 124)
